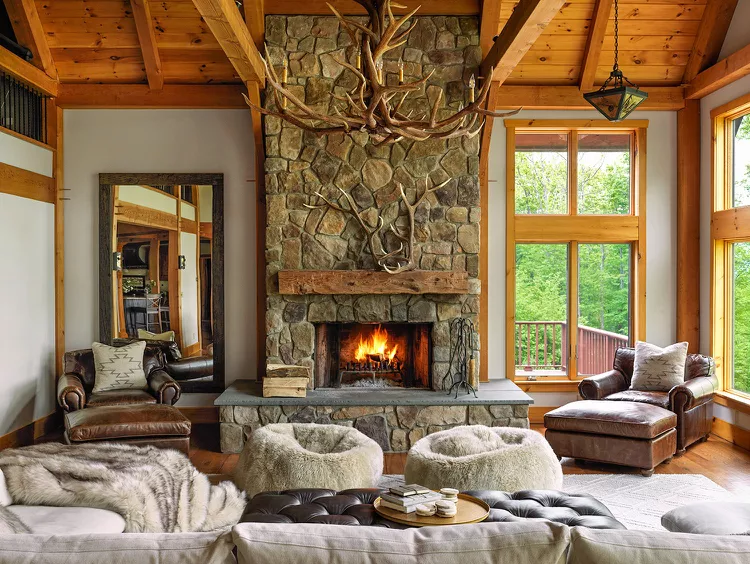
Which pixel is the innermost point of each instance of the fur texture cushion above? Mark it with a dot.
(482, 458)
(285, 456)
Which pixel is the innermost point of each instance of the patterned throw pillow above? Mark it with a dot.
(658, 369)
(119, 368)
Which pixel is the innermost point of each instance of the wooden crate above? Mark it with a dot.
(285, 387)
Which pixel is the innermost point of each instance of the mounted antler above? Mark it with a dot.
(393, 262)
(368, 107)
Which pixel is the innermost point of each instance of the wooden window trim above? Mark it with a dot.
(728, 225)
(574, 229)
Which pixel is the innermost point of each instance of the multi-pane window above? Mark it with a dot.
(576, 234)
(730, 237)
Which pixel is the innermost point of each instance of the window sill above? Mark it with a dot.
(733, 401)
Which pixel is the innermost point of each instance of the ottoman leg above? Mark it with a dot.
(647, 473)
(668, 460)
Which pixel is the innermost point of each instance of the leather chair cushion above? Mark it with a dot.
(119, 397)
(43, 520)
(121, 422)
(617, 418)
(354, 507)
(659, 399)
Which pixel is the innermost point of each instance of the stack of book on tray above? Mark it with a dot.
(406, 498)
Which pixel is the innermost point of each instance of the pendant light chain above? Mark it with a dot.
(617, 33)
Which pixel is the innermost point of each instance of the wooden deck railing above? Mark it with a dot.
(541, 346)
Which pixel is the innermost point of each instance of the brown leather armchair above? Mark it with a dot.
(74, 388)
(690, 401)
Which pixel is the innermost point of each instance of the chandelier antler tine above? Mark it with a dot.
(347, 23)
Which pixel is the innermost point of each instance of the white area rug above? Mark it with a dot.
(635, 501)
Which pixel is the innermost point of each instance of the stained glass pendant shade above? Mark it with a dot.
(618, 96)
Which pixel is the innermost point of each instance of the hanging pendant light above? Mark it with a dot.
(618, 96)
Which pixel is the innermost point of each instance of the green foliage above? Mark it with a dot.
(741, 317)
(541, 182)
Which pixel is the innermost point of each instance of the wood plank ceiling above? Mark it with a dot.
(96, 41)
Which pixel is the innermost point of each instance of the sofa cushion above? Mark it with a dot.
(44, 520)
(134, 548)
(620, 419)
(531, 542)
(709, 518)
(658, 369)
(119, 368)
(128, 421)
(5, 498)
(119, 397)
(659, 399)
(598, 546)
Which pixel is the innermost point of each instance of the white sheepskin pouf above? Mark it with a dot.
(484, 458)
(286, 456)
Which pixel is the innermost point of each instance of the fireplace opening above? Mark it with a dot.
(373, 355)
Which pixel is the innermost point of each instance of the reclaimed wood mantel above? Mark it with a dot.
(330, 282)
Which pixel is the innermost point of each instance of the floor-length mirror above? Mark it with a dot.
(161, 270)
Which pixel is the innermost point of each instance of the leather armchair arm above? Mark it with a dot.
(191, 368)
(70, 393)
(693, 393)
(600, 386)
(163, 387)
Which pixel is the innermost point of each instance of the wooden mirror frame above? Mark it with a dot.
(107, 181)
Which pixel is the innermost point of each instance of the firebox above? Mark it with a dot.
(373, 355)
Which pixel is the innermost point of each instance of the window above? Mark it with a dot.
(576, 243)
(730, 240)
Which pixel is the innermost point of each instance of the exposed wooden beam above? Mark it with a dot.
(688, 221)
(734, 67)
(255, 18)
(350, 7)
(29, 32)
(28, 73)
(26, 184)
(226, 23)
(711, 33)
(144, 25)
(489, 24)
(594, 43)
(140, 96)
(523, 28)
(569, 98)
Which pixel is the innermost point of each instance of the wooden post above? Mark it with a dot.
(688, 224)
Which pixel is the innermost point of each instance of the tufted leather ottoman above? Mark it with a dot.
(354, 507)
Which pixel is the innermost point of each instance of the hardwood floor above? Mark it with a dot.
(724, 463)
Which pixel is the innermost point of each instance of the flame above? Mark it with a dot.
(377, 344)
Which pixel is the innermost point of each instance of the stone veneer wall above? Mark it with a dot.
(395, 429)
(298, 164)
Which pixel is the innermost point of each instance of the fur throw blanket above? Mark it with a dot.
(155, 490)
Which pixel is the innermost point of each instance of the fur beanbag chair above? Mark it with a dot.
(286, 456)
(482, 458)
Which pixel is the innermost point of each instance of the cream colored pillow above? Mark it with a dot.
(658, 369)
(119, 368)
(166, 336)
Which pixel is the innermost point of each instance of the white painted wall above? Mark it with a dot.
(22, 154)
(27, 303)
(738, 34)
(142, 196)
(660, 229)
(189, 288)
(167, 141)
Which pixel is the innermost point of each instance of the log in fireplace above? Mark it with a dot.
(373, 355)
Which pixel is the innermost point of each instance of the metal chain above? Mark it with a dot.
(617, 33)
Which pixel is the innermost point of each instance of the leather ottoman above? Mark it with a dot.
(354, 507)
(615, 432)
(143, 424)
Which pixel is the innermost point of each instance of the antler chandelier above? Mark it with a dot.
(373, 106)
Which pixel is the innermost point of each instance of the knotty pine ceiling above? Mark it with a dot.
(95, 41)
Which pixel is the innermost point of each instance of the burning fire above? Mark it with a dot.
(376, 347)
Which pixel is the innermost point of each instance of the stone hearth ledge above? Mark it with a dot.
(395, 419)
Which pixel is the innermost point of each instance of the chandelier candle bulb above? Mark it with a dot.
(379, 68)
(359, 58)
(472, 84)
(400, 71)
(285, 72)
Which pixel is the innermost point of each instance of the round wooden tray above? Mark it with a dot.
(469, 510)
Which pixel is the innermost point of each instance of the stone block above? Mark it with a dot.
(399, 441)
(246, 415)
(231, 438)
(375, 427)
(304, 415)
(501, 411)
(479, 415)
(442, 415)
(269, 414)
(356, 411)
(226, 414)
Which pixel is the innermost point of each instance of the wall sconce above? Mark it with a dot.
(117, 261)
(181, 262)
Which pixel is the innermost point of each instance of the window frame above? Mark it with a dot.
(574, 229)
(729, 225)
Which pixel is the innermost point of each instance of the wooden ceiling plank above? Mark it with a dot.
(710, 38)
(350, 7)
(29, 32)
(490, 24)
(255, 18)
(224, 19)
(594, 44)
(144, 25)
(523, 28)
(140, 96)
(734, 67)
(569, 98)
